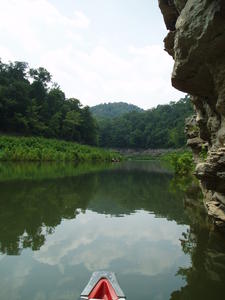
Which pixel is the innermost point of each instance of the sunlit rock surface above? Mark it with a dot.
(196, 41)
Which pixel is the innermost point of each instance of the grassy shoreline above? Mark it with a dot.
(14, 148)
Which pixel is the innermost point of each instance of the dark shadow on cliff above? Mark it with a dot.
(206, 248)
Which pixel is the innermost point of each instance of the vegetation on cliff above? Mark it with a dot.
(182, 162)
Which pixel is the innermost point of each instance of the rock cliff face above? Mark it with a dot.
(196, 41)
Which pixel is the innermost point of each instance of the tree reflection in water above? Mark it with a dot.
(206, 247)
(34, 201)
(30, 210)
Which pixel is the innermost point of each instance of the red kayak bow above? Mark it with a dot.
(103, 290)
(103, 286)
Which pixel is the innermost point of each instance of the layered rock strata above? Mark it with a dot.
(196, 41)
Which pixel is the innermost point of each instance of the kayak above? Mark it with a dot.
(103, 286)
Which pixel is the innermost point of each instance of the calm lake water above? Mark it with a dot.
(59, 223)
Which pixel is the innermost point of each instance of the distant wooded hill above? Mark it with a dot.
(112, 110)
(160, 127)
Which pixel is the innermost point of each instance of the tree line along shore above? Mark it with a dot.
(38, 122)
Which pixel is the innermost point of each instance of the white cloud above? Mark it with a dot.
(37, 32)
(31, 27)
(6, 54)
(142, 78)
(97, 242)
(11, 282)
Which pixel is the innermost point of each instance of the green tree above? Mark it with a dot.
(30, 104)
(160, 127)
(71, 124)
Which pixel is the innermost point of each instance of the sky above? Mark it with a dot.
(98, 51)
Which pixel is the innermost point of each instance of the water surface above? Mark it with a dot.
(60, 223)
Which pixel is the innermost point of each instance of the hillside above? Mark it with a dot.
(112, 110)
(32, 105)
(157, 128)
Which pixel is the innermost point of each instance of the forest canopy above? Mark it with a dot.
(30, 104)
(112, 110)
(160, 127)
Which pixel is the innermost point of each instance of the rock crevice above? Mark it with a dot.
(196, 41)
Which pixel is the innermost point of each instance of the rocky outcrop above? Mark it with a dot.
(196, 41)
